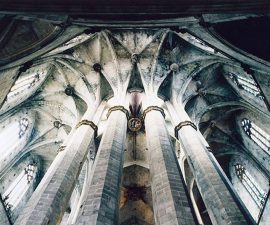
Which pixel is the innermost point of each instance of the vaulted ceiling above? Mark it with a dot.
(133, 58)
(68, 64)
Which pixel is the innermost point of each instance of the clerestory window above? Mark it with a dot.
(251, 185)
(196, 41)
(24, 82)
(246, 83)
(77, 39)
(23, 125)
(16, 191)
(11, 136)
(258, 135)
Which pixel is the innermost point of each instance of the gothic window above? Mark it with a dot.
(246, 83)
(23, 83)
(251, 185)
(25, 86)
(23, 126)
(259, 136)
(16, 191)
(77, 39)
(10, 136)
(196, 41)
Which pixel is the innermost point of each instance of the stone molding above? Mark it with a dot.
(89, 123)
(134, 124)
(118, 107)
(61, 148)
(182, 124)
(151, 108)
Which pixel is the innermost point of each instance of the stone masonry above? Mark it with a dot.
(49, 202)
(101, 205)
(221, 206)
(170, 202)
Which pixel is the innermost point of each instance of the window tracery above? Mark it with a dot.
(246, 83)
(196, 41)
(77, 39)
(11, 136)
(251, 185)
(259, 136)
(23, 124)
(24, 82)
(16, 191)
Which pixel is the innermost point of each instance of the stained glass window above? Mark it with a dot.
(11, 136)
(196, 41)
(19, 187)
(24, 82)
(246, 83)
(251, 185)
(258, 135)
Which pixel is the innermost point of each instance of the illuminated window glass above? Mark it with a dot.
(14, 194)
(196, 41)
(259, 136)
(246, 83)
(77, 39)
(23, 126)
(11, 136)
(24, 82)
(251, 185)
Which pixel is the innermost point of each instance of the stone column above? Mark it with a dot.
(102, 202)
(264, 216)
(197, 212)
(218, 199)
(75, 212)
(4, 219)
(49, 201)
(170, 202)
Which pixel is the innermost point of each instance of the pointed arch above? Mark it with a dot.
(258, 135)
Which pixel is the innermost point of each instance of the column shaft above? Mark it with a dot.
(170, 201)
(265, 217)
(49, 201)
(218, 200)
(102, 202)
(4, 220)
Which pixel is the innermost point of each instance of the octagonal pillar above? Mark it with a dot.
(170, 201)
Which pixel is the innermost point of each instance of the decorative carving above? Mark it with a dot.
(134, 58)
(150, 108)
(97, 67)
(213, 124)
(57, 124)
(134, 124)
(201, 93)
(182, 124)
(89, 123)
(92, 153)
(118, 107)
(174, 67)
(61, 148)
(69, 91)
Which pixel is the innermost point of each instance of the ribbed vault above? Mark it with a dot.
(91, 70)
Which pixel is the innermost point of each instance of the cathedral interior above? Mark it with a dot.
(134, 120)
